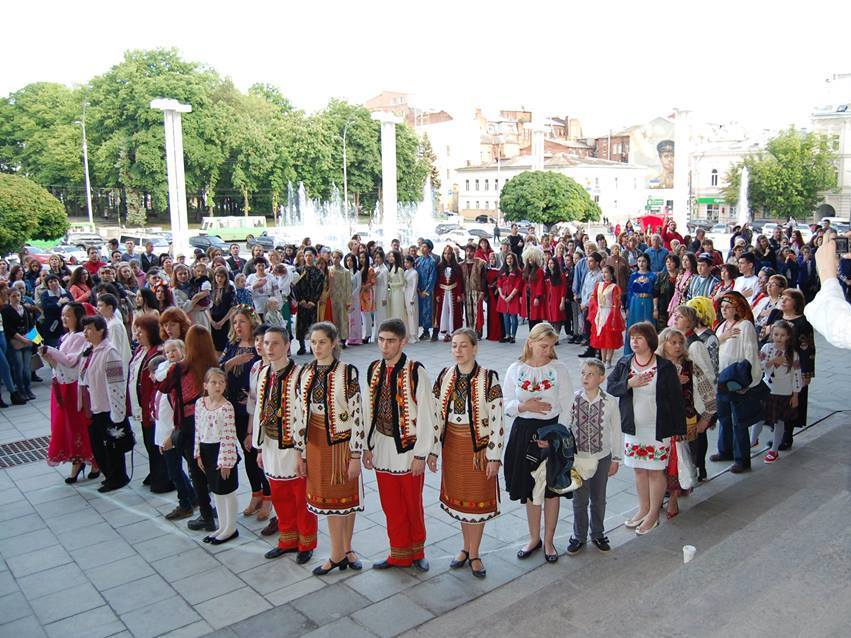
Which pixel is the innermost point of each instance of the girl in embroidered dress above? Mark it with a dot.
(470, 433)
(538, 392)
(216, 452)
(604, 315)
(781, 368)
(332, 441)
(698, 397)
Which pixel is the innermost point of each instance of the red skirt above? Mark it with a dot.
(69, 427)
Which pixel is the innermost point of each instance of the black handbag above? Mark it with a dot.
(120, 437)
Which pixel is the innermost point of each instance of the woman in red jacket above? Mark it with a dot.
(509, 289)
(536, 287)
(556, 287)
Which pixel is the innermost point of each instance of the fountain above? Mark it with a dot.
(742, 205)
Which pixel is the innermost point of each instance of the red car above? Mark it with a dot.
(41, 255)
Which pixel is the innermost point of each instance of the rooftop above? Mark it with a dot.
(555, 160)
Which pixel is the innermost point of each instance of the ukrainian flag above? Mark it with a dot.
(34, 336)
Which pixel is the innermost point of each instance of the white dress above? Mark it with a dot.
(380, 297)
(642, 450)
(412, 311)
(396, 295)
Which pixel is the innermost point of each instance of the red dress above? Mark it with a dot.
(453, 286)
(69, 425)
(555, 297)
(605, 305)
(537, 290)
(508, 283)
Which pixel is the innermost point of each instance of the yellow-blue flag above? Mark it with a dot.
(34, 336)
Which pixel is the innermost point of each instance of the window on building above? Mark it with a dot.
(712, 212)
(447, 174)
(596, 199)
(477, 204)
(466, 184)
(596, 182)
(487, 185)
(468, 204)
(487, 205)
(713, 177)
(496, 184)
(477, 188)
(616, 183)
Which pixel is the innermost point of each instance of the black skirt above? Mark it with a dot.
(779, 408)
(522, 455)
(215, 482)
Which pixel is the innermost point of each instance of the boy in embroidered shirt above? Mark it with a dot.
(596, 425)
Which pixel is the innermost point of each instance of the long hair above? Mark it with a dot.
(174, 314)
(330, 331)
(665, 336)
(200, 353)
(789, 349)
(505, 270)
(149, 299)
(542, 330)
(555, 273)
(150, 325)
(247, 312)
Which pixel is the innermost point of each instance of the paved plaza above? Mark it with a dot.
(79, 563)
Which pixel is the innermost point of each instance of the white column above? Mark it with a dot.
(388, 175)
(537, 148)
(682, 150)
(174, 165)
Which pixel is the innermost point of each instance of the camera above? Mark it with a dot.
(841, 245)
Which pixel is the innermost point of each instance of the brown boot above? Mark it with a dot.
(272, 528)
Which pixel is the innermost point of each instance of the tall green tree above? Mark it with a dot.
(787, 179)
(28, 211)
(546, 197)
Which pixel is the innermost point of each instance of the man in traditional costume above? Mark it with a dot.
(473, 270)
(277, 417)
(341, 295)
(307, 291)
(426, 268)
(399, 415)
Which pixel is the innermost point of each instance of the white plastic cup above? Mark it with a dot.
(688, 553)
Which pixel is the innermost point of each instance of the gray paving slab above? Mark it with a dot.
(232, 607)
(102, 553)
(86, 536)
(52, 580)
(95, 623)
(160, 618)
(14, 606)
(206, 585)
(392, 616)
(185, 564)
(377, 585)
(124, 570)
(27, 542)
(330, 604)
(27, 627)
(138, 593)
(283, 622)
(37, 561)
(343, 627)
(274, 574)
(196, 629)
(296, 590)
(66, 603)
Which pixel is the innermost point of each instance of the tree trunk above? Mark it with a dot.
(245, 206)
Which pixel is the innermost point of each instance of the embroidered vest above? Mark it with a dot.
(403, 382)
(481, 383)
(276, 402)
(338, 420)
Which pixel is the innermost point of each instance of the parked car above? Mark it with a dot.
(84, 240)
(263, 239)
(161, 244)
(208, 241)
(442, 229)
(485, 219)
(40, 254)
(72, 254)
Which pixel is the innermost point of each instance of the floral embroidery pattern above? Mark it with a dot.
(528, 384)
(646, 452)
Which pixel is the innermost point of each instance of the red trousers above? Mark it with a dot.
(402, 501)
(296, 526)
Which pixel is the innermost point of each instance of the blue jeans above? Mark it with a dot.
(5, 370)
(733, 439)
(20, 363)
(174, 466)
(509, 324)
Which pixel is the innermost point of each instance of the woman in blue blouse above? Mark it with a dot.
(639, 297)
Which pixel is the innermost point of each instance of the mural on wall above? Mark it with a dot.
(652, 145)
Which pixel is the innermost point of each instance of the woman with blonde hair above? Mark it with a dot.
(538, 393)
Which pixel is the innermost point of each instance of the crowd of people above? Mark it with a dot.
(223, 361)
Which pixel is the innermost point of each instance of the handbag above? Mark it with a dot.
(686, 470)
(120, 437)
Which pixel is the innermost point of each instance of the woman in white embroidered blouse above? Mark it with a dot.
(537, 392)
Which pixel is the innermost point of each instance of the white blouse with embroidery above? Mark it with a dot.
(550, 383)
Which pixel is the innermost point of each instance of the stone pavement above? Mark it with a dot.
(75, 562)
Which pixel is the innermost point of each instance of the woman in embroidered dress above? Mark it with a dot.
(355, 318)
(495, 329)
(470, 431)
(604, 315)
(395, 287)
(412, 314)
(332, 440)
(367, 294)
(652, 411)
(639, 295)
(698, 397)
(538, 392)
(237, 360)
(681, 286)
(69, 425)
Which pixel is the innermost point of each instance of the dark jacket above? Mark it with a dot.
(559, 456)
(670, 408)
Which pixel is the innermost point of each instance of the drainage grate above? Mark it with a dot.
(21, 452)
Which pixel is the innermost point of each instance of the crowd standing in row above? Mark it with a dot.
(199, 355)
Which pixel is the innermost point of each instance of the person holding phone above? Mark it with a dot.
(828, 312)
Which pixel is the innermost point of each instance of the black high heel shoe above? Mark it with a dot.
(73, 478)
(94, 474)
(321, 571)
(356, 564)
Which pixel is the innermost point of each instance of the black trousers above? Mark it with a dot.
(160, 483)
(256, 476)
(698, 448)
(110, 461)
(185, 444)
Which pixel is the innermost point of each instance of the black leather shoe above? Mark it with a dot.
(277, 552)
(718, 458)
(355, 564)
(321, 570)
(221, 541)
(202, 523)
(18, 398)
(421, 565)
(304, 557)
(382, 565)
(523, 554)
(271, 528)
(784, 446)
(551, 558)
(738, 469)
(478, 573)
(458, 564)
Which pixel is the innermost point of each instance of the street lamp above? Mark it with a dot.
(82, 123)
